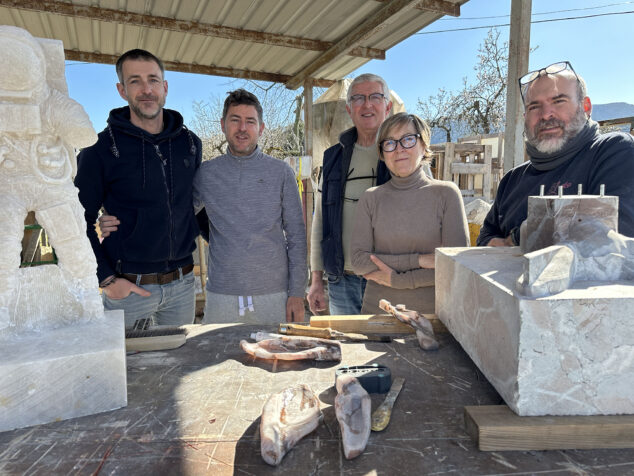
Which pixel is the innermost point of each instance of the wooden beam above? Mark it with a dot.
(519, 48)
(438, 6)
(308, 150)
(371, 25)
(619, 121)
(497, 428)
(373, 324)
(89, 57)
(183, 26)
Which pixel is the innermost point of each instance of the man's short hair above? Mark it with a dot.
(137, 54)
(582, 89)
(242, 96)
(368, 78)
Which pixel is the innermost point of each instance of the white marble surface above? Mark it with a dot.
(547, 271)
(40, 126)
(63, 373)
(567, 354)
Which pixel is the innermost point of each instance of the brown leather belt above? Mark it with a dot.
(158, 278)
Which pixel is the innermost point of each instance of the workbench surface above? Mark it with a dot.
(195, 410)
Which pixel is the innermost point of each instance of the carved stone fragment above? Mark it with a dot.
(287, 417)
(354, 413)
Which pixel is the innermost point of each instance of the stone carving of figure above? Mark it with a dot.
(579, 242)
(39, 127)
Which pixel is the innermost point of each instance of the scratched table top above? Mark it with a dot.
(196, 410)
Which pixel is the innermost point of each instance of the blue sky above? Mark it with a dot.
(599, 49)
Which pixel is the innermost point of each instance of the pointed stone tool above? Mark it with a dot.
(381, 416)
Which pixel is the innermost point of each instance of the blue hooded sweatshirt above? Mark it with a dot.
(145, 180)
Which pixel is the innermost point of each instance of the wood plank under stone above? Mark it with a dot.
(498, 428)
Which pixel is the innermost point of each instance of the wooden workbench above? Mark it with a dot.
(195, 410)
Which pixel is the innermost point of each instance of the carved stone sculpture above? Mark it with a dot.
(60, 355)
(572, 238)
(39, 127)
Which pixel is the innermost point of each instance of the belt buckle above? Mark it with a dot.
(166, 278)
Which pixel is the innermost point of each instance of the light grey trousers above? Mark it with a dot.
(262, 309)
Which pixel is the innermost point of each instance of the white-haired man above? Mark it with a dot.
(349, 168)
(565, 150)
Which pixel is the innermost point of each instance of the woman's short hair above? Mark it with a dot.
(401, 119)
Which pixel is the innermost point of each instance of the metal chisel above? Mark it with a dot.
(381, 416)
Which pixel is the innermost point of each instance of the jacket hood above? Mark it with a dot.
(119, 122)
(119, 119)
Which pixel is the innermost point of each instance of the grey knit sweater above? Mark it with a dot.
(257, 237)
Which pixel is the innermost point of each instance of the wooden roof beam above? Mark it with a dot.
(438, 6)
(367, 28)
(89, 57)
(183, 26)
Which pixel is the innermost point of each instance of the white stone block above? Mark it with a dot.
(567, 354)
(547, 271)
(63, 373)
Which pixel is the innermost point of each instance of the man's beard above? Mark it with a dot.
(139, 112)
(550, 145)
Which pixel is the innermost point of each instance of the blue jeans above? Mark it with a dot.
(345, 294)
(171, 304)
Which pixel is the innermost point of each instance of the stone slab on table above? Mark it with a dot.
(571, 353)
(62, 373)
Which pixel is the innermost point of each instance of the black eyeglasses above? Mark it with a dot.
(374, 98)
(407, 142)
(554, 68)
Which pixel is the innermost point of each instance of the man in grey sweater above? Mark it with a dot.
(257, 239)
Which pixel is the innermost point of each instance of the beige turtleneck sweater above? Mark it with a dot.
(396, 222)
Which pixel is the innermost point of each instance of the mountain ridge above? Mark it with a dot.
(600, 112)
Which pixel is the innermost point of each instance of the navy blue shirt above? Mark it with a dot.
(608, 160)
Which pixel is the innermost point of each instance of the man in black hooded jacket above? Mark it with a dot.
(565, 150)
(141, 171)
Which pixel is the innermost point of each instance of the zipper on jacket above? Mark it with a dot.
(169, 206)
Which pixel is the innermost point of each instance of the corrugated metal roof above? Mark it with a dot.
(276, 40)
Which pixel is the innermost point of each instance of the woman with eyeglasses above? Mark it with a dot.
(399, 224)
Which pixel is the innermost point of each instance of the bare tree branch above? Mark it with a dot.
(479, 107)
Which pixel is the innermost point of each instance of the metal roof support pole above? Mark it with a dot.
(519, 48)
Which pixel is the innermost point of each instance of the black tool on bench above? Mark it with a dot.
(374, 378)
